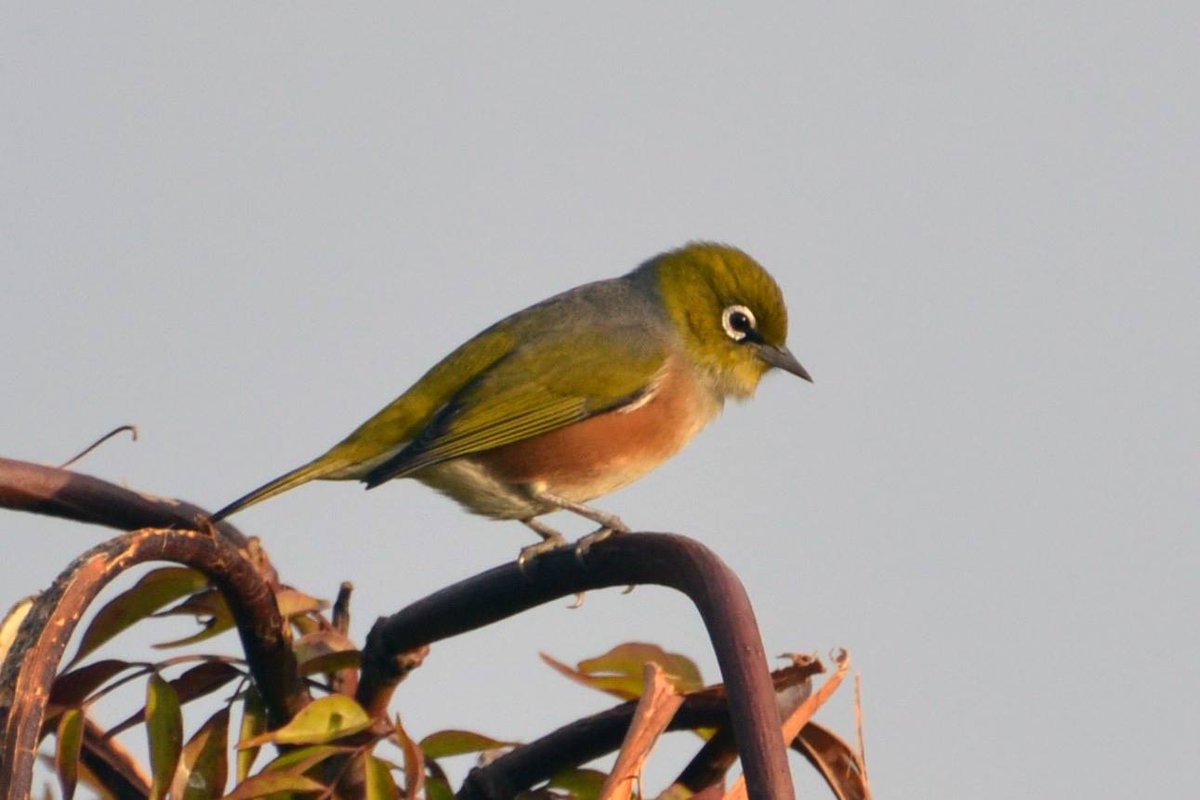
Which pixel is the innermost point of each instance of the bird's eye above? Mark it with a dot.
(738, 322)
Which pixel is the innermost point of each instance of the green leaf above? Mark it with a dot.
(380, 783)
(155, 589)
(325, 651)
(204, 764)
(619, 671)
(438, 789)
(208, 602)
(630, 659)
(164, 727)
(582, 784)
(269, 783)
(254, 722)
(302, 759)
(68, 742)
(322, 720)
(293, 603)
(456, 742)
(211, 612)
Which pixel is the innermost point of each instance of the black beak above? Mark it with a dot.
(780, 356)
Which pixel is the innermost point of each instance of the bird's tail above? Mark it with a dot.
(313, 470)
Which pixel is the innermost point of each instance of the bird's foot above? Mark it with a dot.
(585, 544)
(551, 540)
(595, 537)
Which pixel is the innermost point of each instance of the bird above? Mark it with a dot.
(574, 396)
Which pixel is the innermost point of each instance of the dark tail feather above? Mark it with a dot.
(310, 471)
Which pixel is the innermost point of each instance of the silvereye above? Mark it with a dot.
(574, 396)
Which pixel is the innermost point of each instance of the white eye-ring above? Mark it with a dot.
(738, 322)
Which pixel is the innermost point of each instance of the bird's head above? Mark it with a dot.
(727, 311)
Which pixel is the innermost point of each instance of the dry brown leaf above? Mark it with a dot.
(654, 711)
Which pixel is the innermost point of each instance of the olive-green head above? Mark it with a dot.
(728, 312)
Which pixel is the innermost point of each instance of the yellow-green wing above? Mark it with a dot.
(538, 387)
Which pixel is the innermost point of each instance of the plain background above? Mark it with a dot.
(245, 228)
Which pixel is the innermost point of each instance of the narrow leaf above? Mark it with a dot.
(164, 727)
(155, 589)
(72, 688)
(203, 764)
(254, 722)
(210, 610)
(835, 760)
(325, 651)
(302, 759)
(270, 783)
(322, 720)
(581, 784)
(628, 659)
(380, 783)
(68, 741)
(438, 789)
(414, 762)
(12, 623)
(457, 742)
(292, 603)
(626, 687)
(204, 678)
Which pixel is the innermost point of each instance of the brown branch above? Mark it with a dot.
(665, 559)
(82, 498)
(30, 666)
(595, 736)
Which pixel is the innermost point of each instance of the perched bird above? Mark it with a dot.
(575, 396)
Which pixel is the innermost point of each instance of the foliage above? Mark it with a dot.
(329, 732)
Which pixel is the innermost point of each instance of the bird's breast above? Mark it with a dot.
(592, 457)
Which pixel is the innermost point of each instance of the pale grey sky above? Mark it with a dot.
(247, 227)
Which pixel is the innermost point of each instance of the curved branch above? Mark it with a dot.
(595, 736)
(29, 669)
(658, 558)
(83, 498)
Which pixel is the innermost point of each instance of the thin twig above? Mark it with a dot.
(131, 428)
(83, 498)
(858, 727)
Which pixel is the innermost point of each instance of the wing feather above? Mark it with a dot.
(541, 386)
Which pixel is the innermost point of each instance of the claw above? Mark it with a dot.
(531, 551)
(551, 540)
(587, 542)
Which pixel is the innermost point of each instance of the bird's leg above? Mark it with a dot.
(551, 539)
(609, 523)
